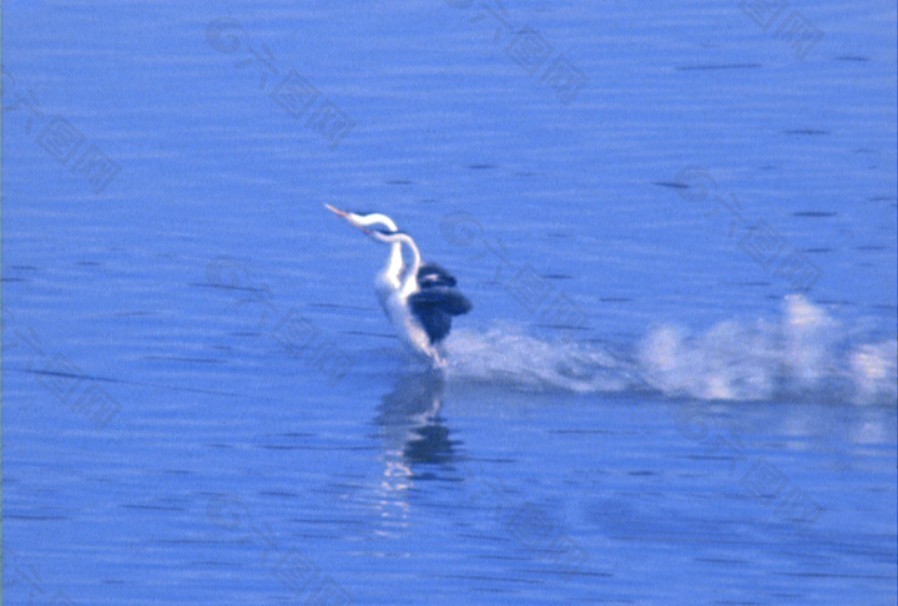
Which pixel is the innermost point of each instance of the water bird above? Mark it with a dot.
(419, 298)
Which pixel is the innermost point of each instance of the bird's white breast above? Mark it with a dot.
(407, 326)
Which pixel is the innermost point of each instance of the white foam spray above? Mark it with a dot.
(805, 354)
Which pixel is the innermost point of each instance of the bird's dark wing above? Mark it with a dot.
(436, 323)
(445, 298)
(431, 274)
(434, 308)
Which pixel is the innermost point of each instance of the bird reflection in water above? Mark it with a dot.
(416, 444)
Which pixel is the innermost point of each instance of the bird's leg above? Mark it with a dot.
(439, 362)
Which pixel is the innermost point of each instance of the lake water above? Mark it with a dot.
(676, 223)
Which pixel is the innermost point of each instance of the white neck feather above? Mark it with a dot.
(407, 283)
(393, 270)
(410, 280)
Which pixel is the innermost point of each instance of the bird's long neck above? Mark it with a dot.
(398, 274)
(416, 257)
(393, 270)
(392, 274)
(410, 281)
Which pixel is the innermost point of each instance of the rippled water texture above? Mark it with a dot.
(676, 223)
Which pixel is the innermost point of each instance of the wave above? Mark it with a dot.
(805, 354)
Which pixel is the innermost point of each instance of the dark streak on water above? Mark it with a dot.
(672, 184)
(806, 132)
(814, 214)
(86, 377)
(219, 286)
(183, 359)
(562, 326)
(342, 306)
(169, 508)
(720, 66)
(383, 335)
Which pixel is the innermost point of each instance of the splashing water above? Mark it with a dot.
(804, 355)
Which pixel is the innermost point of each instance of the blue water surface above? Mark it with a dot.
(678, 227)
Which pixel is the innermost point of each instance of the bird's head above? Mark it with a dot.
(374, 225)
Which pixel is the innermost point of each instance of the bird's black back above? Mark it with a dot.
(431, 274)
(437, 301)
